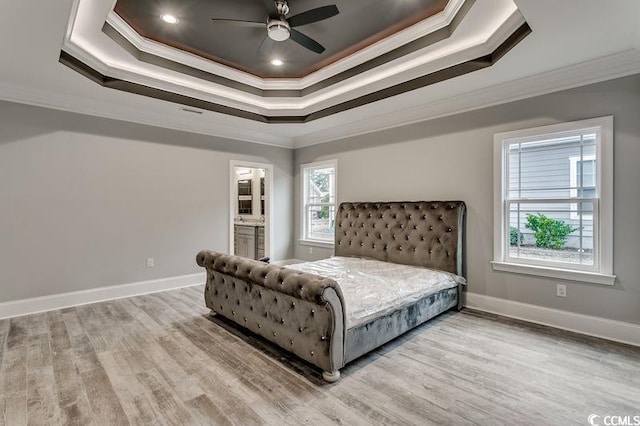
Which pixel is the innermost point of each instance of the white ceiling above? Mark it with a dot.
(574, 42)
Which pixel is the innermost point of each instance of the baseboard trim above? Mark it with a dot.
(604, 328)
(35, 305)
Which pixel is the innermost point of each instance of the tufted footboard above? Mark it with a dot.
(300, 312)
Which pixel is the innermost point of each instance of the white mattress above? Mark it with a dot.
(372, 287)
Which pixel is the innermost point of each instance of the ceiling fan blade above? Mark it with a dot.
(270, 5)
(239, 22)
(306, 41)
(313, 15)
(266, 47)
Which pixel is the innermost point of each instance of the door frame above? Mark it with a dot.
(268, 205)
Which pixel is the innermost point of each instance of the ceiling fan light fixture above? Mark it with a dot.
(169, 19)
(277, 62)
(278, 30)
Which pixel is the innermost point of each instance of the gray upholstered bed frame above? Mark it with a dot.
(304, 313)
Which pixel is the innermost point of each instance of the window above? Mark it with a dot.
(554, 201)
(318, 202)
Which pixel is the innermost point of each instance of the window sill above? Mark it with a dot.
(315, 243)
(563, 274)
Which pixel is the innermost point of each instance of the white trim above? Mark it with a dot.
(603, 214)
(573, 183)
(35, 305)
(559, 273)
(268, 202)
(617, 331)
(304, 168)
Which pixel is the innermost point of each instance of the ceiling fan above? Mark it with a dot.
(281, 28)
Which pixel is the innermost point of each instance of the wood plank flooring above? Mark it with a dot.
(160, 359)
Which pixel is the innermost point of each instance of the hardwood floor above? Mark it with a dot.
(160, 359)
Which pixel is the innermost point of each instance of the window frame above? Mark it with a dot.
(573, 182)
(602, 270)
(304, 205)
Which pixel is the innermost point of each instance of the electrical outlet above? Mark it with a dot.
(310, 250)
(150, 262)
(561, 290)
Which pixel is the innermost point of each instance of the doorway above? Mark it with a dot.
(251, 218)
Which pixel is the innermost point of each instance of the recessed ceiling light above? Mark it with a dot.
(169, 19)
(277, 62)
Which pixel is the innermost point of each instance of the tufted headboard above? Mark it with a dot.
(419, 233)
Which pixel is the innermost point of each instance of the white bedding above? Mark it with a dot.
(372, 287)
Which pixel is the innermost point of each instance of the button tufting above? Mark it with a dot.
(293, 304)
(238, 303)
(259, 326)
(300, 329)
(323, 338)
(291, 342)
(233, 313)
(313, 311)
(312, 353)
(282, 321)
(274, 334)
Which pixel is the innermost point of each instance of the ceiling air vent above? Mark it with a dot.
(192, 111)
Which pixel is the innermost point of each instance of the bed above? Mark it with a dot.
(395, 266)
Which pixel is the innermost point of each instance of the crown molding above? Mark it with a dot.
(176, 121)
(609, 67)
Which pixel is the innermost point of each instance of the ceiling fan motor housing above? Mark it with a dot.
(282, 7)
(278, 30)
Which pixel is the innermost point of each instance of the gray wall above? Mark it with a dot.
(84, 201)
(452, 158)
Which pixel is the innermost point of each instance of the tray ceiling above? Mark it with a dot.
(462, 37)
(359, 24)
